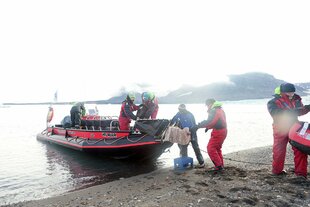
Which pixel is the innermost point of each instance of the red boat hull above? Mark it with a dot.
(117, 144)
(299, 136)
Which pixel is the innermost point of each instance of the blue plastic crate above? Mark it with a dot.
(183, 162)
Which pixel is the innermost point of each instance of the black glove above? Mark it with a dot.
(206, 130)
(194, 128)
(307, 107)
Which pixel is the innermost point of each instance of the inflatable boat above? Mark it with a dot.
(299, 136)
(102, 135)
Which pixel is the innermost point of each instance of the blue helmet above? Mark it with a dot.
(146, 96)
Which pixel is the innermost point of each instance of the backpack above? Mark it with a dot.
(66, 122)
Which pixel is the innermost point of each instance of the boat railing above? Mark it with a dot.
(97, 117)
(114, 123)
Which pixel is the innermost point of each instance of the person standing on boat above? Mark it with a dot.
(77, 111)
(126, 113)
(149, 107)
(183, 119)
(154, 101)
(284, 109)
(217, 122)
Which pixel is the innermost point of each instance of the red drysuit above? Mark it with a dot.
(285, 113)
(126, 114)
(216, 121)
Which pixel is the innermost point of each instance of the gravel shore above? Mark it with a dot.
(246, 181)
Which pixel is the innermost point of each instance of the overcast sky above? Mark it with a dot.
(89, 50)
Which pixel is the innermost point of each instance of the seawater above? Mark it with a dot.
(34, 170)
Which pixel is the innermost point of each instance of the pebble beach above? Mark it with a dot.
(246, 181)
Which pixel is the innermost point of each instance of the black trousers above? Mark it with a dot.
(75, 118)
(194, 143)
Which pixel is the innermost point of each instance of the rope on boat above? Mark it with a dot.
(127, 137)
(136, 140)
(44, 131)
(76, 139)
(104, 140)
(167, 150)
(79, 141)
(88, 141)
(67, 138)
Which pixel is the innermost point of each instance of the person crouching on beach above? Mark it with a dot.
(284, 109)
(217, 122)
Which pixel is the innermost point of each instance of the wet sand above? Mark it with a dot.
(246, 181)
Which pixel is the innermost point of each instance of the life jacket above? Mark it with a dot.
(282, 109)
(216, 118)
(127, 108)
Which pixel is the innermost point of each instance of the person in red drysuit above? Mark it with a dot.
(155, 101)
(217, 122)
(149, 107)
(126, 113)
(284, 109)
